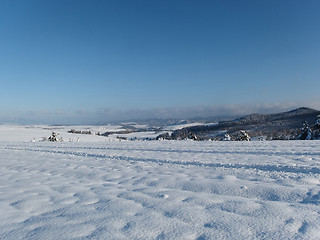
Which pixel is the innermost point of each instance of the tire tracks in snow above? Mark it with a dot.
(266, 168)
(263, 152)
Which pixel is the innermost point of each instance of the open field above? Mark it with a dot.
(98, 189)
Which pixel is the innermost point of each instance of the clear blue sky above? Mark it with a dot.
(109, 59)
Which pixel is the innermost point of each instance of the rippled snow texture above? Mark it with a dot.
(160, 190)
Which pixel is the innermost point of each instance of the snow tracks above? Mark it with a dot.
(160, 190)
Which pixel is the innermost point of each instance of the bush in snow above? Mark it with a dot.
(54, 138)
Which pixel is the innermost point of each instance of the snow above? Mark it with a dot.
(97, 189)
(140, 135)
(136, 125)
(15, 133)
(185, 125)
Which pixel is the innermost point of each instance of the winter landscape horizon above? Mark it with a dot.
(173, 119)
(96, 187)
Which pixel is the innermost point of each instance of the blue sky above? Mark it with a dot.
(105, 60)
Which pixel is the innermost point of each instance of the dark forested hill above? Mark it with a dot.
(284, 125)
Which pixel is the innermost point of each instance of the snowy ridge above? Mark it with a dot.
(279, 126)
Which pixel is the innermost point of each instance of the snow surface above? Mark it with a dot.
(185, 125)
(97, 189)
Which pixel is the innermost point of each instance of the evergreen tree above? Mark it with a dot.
(243, 136)
(305, 132)
(316, 130)
(317, 123)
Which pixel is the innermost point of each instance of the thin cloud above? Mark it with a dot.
(193, 112)
(106, 115)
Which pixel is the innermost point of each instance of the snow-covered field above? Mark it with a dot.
(98, 189)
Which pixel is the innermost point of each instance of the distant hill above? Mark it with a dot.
(284, 125)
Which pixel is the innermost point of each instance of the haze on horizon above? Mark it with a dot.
(98, 61)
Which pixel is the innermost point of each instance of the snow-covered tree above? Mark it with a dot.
(243, 136)
(316, 129)
(54, 138)
(192, 136)
(305, 132)
(226, 137)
